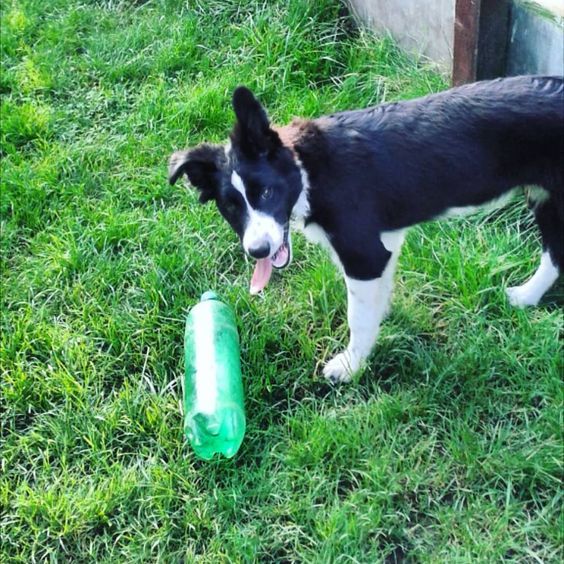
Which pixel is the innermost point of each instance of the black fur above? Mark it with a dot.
(395, 165)
(267, 168)
(399, 164)
(252, 135)
(202, 165)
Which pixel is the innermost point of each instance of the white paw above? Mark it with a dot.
(341, 368)
(519, 296)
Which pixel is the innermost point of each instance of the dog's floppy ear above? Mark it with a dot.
(202, 166)
(252, 133)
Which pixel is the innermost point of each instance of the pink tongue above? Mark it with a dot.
(261, 275)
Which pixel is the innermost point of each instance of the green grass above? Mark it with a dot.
(447, 449)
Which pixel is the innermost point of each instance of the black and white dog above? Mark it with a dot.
(355, 181)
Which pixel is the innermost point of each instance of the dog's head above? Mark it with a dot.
(254, 180)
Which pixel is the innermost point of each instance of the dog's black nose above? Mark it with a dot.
(260, 252)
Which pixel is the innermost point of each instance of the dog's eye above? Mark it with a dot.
(266, 193)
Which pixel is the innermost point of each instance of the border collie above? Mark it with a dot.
(354, 181)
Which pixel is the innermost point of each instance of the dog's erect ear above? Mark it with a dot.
(252, 133)
(202, 166)
(250, 114)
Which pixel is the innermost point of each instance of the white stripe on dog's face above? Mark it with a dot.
(261, 229)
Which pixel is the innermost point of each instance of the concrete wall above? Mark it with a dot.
(536, 41)
(556, 7)
(426, 27)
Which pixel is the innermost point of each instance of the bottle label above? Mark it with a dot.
(204, 361)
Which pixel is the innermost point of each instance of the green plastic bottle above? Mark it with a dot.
(214, 412)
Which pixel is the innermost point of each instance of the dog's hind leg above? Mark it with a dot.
(368, 303)
(551, 224)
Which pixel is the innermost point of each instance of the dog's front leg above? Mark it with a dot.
(368, 302)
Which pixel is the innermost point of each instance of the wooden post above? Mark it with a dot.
(481, 30)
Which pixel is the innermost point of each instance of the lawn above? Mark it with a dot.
(447, 449)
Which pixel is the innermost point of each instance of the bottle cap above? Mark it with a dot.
(209, 295)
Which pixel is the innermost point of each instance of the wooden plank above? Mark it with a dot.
(465, 51)
(481, 30)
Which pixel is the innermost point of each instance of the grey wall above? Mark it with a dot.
(536, 42)
(426, 27)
